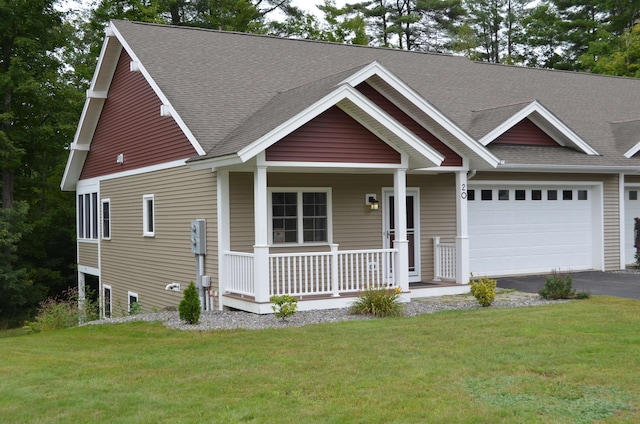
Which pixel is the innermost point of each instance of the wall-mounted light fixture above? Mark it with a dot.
(120, 158)
(371, 201)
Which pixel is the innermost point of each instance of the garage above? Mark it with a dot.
(631, 211)
(524, 229)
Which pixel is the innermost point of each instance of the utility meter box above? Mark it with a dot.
(198, 237)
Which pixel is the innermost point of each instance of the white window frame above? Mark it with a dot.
(102, 219)
(146, 219)
(299, 191)
(87, 226)
(129, 296)
(104, 301)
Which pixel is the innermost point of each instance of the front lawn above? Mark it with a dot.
(576, 362)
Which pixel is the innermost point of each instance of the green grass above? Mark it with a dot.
(576, 362)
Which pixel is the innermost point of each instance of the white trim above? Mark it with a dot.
(529, 111)
(421, 103)
(341, 165)
(342, 93)
(133, 172)
(89, 270)
(410, 191)
(103, 301)
(300, 228)
(102, 203)
(224, 229)
(632, 151)
(131, 294)
(146, 220)
(621, 219)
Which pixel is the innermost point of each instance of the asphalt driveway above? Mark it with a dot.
(619, 284)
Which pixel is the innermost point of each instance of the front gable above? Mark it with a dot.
(332, 136)
(131, 133)
(525, 133)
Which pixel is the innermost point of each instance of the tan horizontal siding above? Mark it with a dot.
(632, 179)
(145, 265)
(88, 254)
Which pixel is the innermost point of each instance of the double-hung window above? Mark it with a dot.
(88, 216)
(148, 215)
(106, 219)
(300, 216)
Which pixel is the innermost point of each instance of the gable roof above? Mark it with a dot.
(229, 90)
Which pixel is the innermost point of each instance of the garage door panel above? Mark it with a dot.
(527, 236)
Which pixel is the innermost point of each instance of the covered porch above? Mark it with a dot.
(330, 275)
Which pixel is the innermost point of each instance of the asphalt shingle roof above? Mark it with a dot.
(232, 88)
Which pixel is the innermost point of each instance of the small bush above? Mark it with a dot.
(484, 290)
(135, 308)
(56, 313)
(379, 302)
(284, 306)
(189, 307)
(558, 286)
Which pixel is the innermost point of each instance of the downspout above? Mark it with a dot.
(471, 174)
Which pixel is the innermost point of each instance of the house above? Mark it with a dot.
(256, 166)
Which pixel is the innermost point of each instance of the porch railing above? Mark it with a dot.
(444, 261)
(315, 273)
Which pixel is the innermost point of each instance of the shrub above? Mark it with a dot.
(56, 313)
(379, 302)
(558, 286)
(135, 308)
(284, 306)
(484, 290)
(189, 307)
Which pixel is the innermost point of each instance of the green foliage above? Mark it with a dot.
(558, 286)
(484, 290)
(284, 306)
(66, 311)
(379, 302)
(189, 307)
(135, 308)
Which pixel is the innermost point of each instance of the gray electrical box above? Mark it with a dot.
(198, 237)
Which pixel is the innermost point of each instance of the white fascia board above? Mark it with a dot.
(632, 151)
(536, 107)
(588, 169)
(215, 163)
(421, 103)
(165, 101)
(344, 92)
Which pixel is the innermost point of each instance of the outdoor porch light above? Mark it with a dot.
(372, 202)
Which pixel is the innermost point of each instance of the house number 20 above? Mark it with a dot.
(463, 191)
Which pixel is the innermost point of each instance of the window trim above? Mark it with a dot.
(131, 294)
(102, 219)
(87, 226)
(146, 199)
(104, 301)
(299, 191)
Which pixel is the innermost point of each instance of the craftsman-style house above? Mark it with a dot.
(256, 166)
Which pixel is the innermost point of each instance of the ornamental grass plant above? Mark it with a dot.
(379, 302)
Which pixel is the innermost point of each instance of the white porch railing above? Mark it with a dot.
(315, 273)
(444, 261)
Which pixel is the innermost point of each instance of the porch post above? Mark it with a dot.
(334, 270)
(81, 290)
(401, 270)
(261, 247)
(224, 231)
(462, 229)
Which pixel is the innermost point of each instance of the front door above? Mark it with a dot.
(413, 231)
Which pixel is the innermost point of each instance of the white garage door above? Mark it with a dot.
(631, 211)
(530, 229)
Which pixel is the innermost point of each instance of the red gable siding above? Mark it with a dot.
(332, 136)
(525, 133)
(451, 157)
(131, 124)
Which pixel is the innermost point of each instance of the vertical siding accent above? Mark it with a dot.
(451, 157)
(145, 265)
(88, 254)
(332, 136)
(525, 133)
(130, 124)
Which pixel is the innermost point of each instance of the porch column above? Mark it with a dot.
(401, 243)
(81, 290)
(224, 231)
(261, 247)
(462, 229)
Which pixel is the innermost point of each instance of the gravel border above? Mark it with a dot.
(232, 320)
